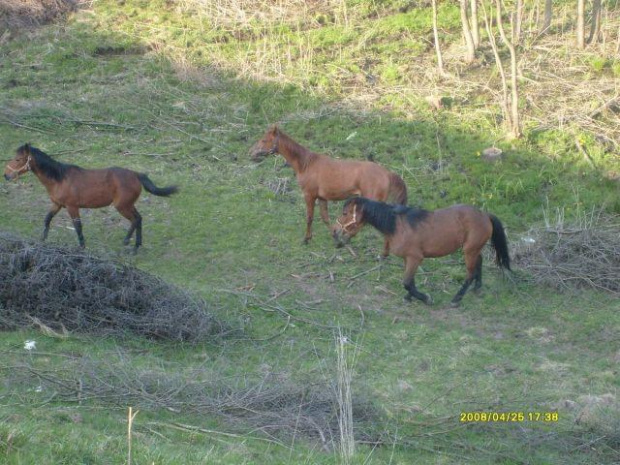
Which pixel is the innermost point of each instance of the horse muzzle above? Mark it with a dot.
(8, 177)
(340, 238)
(257, 157)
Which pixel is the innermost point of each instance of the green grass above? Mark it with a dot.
(112, 88)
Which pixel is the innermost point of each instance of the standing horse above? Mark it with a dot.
(415, 234)
(324, 178)
(73, 187)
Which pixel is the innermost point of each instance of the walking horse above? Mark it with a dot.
(323, 178)
(72, 187)
(415, 234)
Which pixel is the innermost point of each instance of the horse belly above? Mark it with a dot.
(338, 192)
(96, 196)
(440, 247)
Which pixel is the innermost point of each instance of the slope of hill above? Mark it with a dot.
(181, 90)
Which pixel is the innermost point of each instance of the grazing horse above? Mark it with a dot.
(415, 234)
(324, 178)
(73, 187)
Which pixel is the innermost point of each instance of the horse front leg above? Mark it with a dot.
(74, 213)
(48, 219)
(386, 249)
(324, 212)
(310, 201)
(411, 266)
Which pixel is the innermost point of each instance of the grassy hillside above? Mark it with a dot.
(181, 90)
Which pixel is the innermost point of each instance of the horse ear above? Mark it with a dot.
(27, 147)
(276, 130)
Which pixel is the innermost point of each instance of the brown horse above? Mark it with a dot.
(415, 234)
(73, 187)
(324, 178)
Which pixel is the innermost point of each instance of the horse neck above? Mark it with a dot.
(295, 154)
(381, 217)
(47, 179)
(48, 182)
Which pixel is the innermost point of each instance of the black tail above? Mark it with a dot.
(153, 189)
(397, 190)
(499, 243)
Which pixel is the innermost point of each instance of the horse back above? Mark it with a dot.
(94, 188)
(446, 230)
(332, 179)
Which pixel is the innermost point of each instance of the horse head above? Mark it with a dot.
(349, 223)
(267, 145)
(21, 164)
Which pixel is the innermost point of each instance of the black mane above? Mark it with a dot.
(414, 215)
(47, 165)
(383, 215)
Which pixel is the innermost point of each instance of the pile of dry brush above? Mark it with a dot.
(270, 406)
(65, 289)
(584, 255)
(19, 14)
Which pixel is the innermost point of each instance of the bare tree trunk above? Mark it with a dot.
(548, 14)
(475, 28)
(517, 21)
(595, 29)
(469, 41)
(505, 103)
(514, 101)
(581, 10)
(436, 36)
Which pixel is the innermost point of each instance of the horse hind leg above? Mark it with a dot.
(478, 275)
(473, 263)
(132, 214)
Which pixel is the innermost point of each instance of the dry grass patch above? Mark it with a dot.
(20, 14)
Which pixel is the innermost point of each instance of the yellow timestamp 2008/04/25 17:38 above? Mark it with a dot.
(508, 417)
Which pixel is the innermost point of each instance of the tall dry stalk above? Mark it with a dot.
(130, 418)
(345, 402)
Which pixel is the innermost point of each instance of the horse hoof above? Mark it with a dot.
(407, 297)
(428, 300)
(455, 304)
